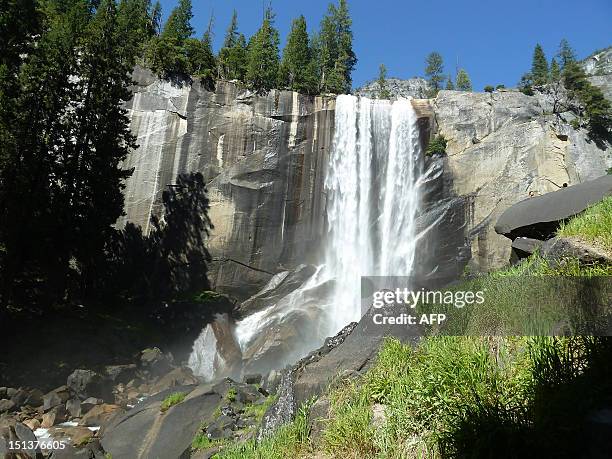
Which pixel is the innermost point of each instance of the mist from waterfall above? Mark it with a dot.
(372, 188)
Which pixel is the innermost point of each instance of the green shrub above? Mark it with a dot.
(489, 88)
(437, 145)
(575, 123)
(500, 86)
(171, 400)
(231, 394)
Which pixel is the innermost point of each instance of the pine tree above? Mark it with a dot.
(336, 56)
(134, 18)
(555, 71)
(449, 84)
(296, 66)
(166, 54)
(593, 105)
(70, 139)
(434, 71)
(155, 19)
(463, 81)
(233, 56)
(263, 60)
(539, 66)
(565, 54)
(383, 90)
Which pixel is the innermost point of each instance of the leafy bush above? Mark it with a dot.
(500, 86)
(437, 145)
(171, 400)
(489, 88)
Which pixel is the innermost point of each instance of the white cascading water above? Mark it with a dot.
(372, 185)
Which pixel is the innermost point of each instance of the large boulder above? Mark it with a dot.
(154, 362)
(147, 432)
(88, 383)
(539, 217)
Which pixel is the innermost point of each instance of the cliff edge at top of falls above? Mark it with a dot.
(264, 158)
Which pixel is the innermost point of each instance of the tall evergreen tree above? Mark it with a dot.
(263, 60)
(336, 56)
(61, 190)
(592, 104)
(155, 19)
(383, 90)
(555, 71)
(167, 53)
(463, 81)
(297, 70)
(231, 36)
(539, 66)
(434, 70)
(233, 56)
(135, 24)
(565, 54)
(449, 83)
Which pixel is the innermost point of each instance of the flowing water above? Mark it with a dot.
(372, 186)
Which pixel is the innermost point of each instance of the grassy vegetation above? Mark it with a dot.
(290, 440)
(231, 394)
(257, 411)
(171, 400)
(201, 441)
(593, 225)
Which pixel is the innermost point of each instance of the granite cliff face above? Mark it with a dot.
(262, 157)
(502, 148)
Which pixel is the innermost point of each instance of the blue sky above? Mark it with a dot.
(492, 40)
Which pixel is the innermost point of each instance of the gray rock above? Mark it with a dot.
(73, 406)
(88, 383)
(155, 362)
(181, 376)
(33, 398)
(558, 249)
(54, 416)
(318, 416)
(524, 246)
(56, 397)
(145, 432)
(89, 403)
(24, 434)
(411, 87)
(253, 379)
(538, 217)
(121, 373)
(6, 405)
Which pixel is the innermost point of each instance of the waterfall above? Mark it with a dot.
(372, 187)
